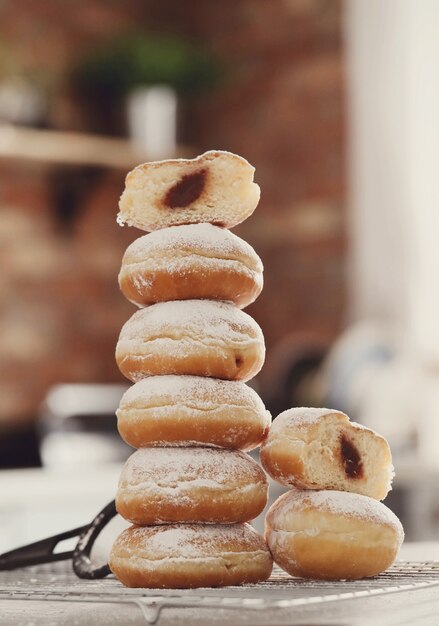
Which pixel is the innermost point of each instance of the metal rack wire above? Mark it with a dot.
(56, 583)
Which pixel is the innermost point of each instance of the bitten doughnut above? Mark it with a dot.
(190, 555)
(211, 485)
(321, 449)
(332, 534)
(191, 411)
(190, 262)
(216, 187)
(193, 337)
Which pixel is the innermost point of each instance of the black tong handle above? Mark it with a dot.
(39, 551)
(42, 551)
(82, 565)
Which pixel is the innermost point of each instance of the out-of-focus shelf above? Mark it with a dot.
(67, 148)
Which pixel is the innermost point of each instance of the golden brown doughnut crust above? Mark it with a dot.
(216, 187)
(191, 337)
(211, 485)
(312, 448)
(332, 534)
(183, 556)
(190, 411)
(198, 261)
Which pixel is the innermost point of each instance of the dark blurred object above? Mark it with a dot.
(69, 190)
(106, 76)
(122, 64)
(19, 448)
(291, 371)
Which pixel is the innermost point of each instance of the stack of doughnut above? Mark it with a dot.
(331, 524)
(190, 488)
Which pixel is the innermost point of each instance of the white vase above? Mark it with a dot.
(152, 120)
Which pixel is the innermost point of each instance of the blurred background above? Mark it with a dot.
(335, 103)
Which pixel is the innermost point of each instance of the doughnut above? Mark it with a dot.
(332, 534)
(193, 337)
(321, 449)
(211, 485)
(192, 411)
(216, 187)
(190, 262)
(179, 556)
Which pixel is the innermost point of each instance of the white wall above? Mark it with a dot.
(393, 99)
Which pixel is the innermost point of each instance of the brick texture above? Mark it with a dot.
(280, 104)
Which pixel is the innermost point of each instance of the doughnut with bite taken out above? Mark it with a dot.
(216, 187)
(321, 449)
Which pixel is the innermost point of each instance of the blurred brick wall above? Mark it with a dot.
(282, 108)
(280, 105)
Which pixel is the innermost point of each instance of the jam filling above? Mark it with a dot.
(186, 190)
(351, 458)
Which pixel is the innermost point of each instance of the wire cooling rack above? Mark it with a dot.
(57, 583)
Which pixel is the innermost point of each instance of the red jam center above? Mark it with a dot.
(186, 190)
(351, 458)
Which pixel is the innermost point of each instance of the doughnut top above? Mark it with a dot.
(210, 155)
(338, 503)
(204, 318)
(206, 240)
(302, 417)
(299, 418)
(189, 541)
(201, 467)
(203, 393)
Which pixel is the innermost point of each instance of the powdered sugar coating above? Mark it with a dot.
(190, 541)
(303, 417)
(199, 337)
(195, 261)
(192, 391)
(337, 503)
(192, 411)
(191, 337)
(182, 468)
(207, 319)
(202, 239)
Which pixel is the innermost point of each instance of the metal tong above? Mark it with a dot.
(43, 551)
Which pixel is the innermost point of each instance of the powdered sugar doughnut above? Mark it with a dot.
(332, 534)
(191, 411)
(321, 449)
(216, 187)
(165, 485)
(193, 337)
(190, 262)
(182, 556)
